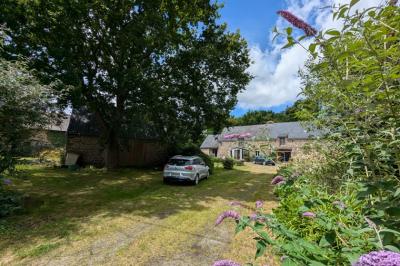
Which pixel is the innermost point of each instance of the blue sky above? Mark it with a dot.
(276, 83)
(255, 20)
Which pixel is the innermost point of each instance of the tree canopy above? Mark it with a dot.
(297, 112)
(167, 62)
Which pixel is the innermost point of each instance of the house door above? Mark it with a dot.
(239, 154)
(284, 155)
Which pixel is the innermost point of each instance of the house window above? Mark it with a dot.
(282, 140)
(257, 153)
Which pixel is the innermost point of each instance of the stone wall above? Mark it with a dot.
(132, 152)
(265, 147)
(89, 149)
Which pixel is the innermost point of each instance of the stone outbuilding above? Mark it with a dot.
(140, 146)
(51, 136)
(281, 141)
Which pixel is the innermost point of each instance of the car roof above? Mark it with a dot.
(185, 157)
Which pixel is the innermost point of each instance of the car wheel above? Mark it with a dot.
(196, 180)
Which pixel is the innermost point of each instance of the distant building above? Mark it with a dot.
(139, 146)
(51, 136)
(280, 140)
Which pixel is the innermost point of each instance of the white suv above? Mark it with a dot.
(186, 168)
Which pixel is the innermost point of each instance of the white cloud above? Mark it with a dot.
(275, 71)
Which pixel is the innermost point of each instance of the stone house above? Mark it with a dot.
(139, 145)
(280, 141)
(51, 136)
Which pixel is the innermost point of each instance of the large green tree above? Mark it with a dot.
(167, 62)
(25, 104)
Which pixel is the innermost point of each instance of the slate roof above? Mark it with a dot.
(291, 130)
(85, 123)
(61, 125)
(211, 142)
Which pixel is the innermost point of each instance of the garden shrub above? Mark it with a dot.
(228, 163)
(238, 162)
(343, 202)
(53, 157)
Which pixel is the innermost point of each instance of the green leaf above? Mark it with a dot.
(353, 2)
(390, 231)
(392, 248)
(393, 211)
(333, 32)
(302, 38)
(312, 47)
(327, 240)
(289, 262)
(261, 247)
(397, 193)
(288, 45)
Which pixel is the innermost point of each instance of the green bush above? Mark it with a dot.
(10, 201)
(312, 226)
(238, 162)
(228, 163)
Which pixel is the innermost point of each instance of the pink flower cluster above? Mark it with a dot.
(234, 136)
(309, 214)
(297, 22)
(225, 263)
(259, 204)
(227, 214)
(278, 180)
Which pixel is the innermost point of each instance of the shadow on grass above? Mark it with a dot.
(61, 201)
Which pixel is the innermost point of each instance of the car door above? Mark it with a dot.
(203, 167)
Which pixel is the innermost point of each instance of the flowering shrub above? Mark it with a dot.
(344, 209)
(314, 226)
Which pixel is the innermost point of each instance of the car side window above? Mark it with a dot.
(202, 162)
(196, 162)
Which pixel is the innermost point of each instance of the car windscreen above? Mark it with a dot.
(179, 162)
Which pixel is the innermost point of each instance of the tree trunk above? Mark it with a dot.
(111, 152)
(109, 139)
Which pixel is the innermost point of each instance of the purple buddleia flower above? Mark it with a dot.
(253, 216)
(225, 263)
(227, 214)
(284, 257)
(7, 181)
(277, 180)
(298, 23)
(309, 214)
(339, 204)
(370, 223)
(379, 258)
(259, 204)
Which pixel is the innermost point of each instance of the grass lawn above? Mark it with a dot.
(129, 217)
